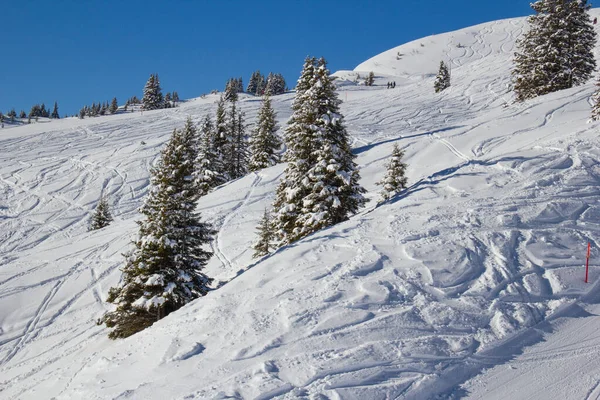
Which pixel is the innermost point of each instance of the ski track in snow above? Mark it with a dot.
(475, 266)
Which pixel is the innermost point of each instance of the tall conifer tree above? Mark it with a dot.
(153, 98)
(320, 187)
(556, 52)
(164, 272)
(264, 142)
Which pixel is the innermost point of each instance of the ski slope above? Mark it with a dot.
(466, 284)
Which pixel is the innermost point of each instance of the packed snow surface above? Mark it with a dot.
(465, 284)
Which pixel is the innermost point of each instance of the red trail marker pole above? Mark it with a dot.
(587, 263)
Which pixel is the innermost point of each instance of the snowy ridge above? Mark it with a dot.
(480, 258)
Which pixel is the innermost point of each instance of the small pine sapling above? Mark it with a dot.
(395, 178)
(102, 216)
(266, 234)
(442, 80)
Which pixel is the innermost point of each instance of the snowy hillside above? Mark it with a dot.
(428, 294)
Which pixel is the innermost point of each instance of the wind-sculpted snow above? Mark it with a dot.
(411, 298)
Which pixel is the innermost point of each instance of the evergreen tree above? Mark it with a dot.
(114, 106)
(261, 84)
(54, 114)
(235, 147)
(370, 79)
(557, 51)
(442, 80)
(43, 112)
(168, 100)
(320, 185)
(240, 167)
(82, 113)
(220, 139)
(22, 114)
(164, 272)
(231, 92)
(266, 235)
(253, 83)
(209, 164)
(264, 142)
(101, 216)
(153, 98)
(12, 114)
(275, 84)
(395, 178)
(175, 97)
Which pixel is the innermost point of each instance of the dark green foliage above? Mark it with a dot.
(55, 114)
(164, 272)
(320, 184)
(22, 114)
(235, 154)
(209, 163)
(256, 85)
(114, 106)
(370, 79)
(442, 80)
(264, 142)
(101, 216)
(153, 98)
(557, 51)
(275, 84)
(395, 178)
(266, 235)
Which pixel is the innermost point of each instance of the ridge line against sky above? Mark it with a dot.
(77, 53)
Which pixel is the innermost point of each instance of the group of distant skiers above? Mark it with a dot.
(391, 85)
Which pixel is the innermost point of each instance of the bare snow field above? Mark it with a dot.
(468, 284)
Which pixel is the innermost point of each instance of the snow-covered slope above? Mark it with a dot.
(480, 258)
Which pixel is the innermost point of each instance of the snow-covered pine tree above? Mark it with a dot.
(239, 85)
(241, 148)
(208, 161)
(253, 83)
(261, 83)
(168, 100)
(235, 155)
(114, 106)
(22, 114)
(395, 178)
(264, 141)
(220, 139)
(275, 84)
(269, 85)
(164, 272)
(153, 98)
(54, 114)
(370, 79)
(101, 216)
(266, 235)
(442, 80)
(556, 52)
(320, 184)
(596, 102)
(231, 93)
(582, 62)
(289, 194)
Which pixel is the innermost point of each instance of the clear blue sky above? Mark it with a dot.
(79, 52)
